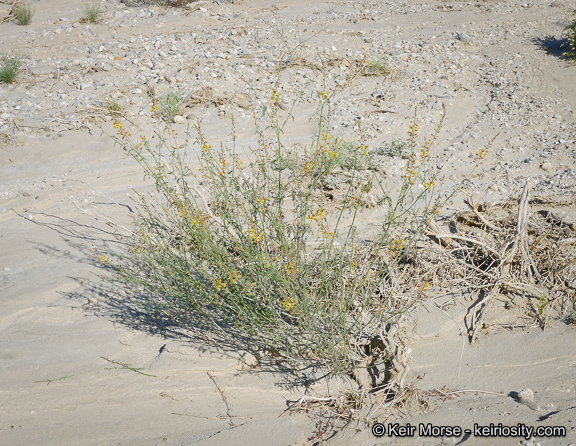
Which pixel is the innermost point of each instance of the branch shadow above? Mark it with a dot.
(552, 46)
(103, 295)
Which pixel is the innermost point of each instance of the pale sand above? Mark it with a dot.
(58, 318)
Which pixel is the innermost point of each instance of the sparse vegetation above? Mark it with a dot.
(113, 106)
(395, 147)
(342, 155)
(9, 66)
(92, 12)
(168, 106)
(377, 67)
(24, 13)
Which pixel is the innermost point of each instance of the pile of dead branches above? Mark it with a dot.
(509, 249)
(520, 250)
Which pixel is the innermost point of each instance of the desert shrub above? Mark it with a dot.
(570, 32)
(23, 14)
(394, 147)
(113, 106)
(168, 106)
(377, 67)
(9, 66)
(250, 250)
(91, 12)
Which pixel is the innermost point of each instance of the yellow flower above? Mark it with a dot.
(219, 284)
(233, 276)
(256, 236)
(291, 268)
(320, 214)
(289, 304)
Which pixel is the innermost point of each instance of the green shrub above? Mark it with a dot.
(377, 67)
(24, 14)
(9, 66)
(250, 249)
(395, 147)
(168, 105)
(91, 12)
(113, 106)
(570, 32)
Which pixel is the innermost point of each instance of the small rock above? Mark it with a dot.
(179, 119)
(462, 36)
(527, 394)
(546, 166)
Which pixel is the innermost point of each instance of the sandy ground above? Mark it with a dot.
(79, 366)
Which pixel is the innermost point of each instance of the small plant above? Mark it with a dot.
(23, 14)
(168, 106)
(9, 66)
(395, 147)
(333, 154)
(570, 32)
(91, 12)
(377, 67)
(542, 304)
(113, 106)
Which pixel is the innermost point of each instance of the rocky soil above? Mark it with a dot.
(496, 66)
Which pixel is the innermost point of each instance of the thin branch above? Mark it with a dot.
(223, 399)
(472, 206)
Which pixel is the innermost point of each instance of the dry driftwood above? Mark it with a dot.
(8, 14)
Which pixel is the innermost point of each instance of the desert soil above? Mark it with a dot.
(79, 365)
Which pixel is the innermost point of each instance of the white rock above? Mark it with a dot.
(179, 119)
